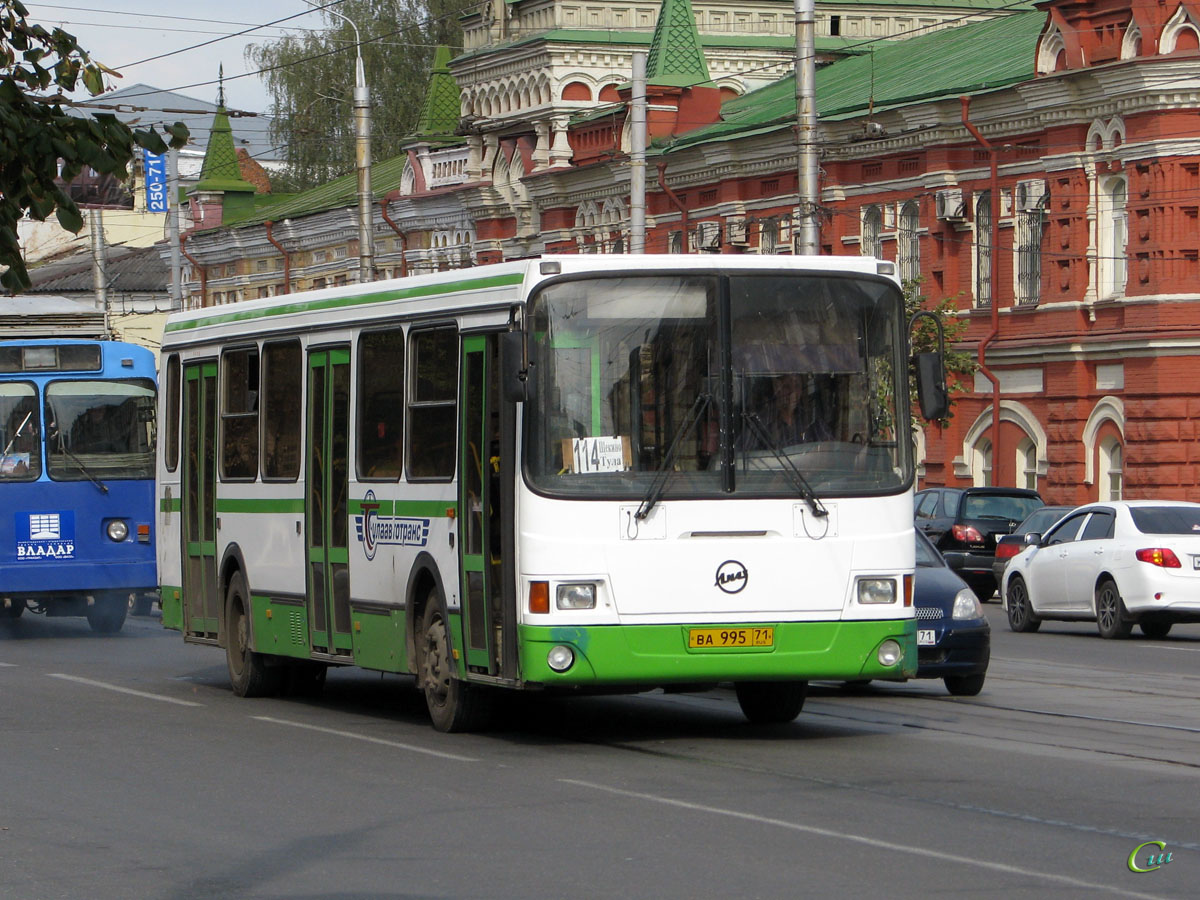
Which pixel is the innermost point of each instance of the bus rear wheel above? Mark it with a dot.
(249, 673)
(13, 610)
(453, 704)
(106, 615)
(771, 702)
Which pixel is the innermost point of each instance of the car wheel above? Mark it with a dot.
(454, 705)
(1155, 628)
(984, 588)
(249, 673)
(1021, 617)
(771, 702)
(107, 613)
(1112, 621)
(964, 685)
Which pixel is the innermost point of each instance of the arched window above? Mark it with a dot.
(909, 249)
(1110, 481)
(1112, 238)
(1180, 32)
(577, 90)
(983, 249)
(981, 463)
(1027, 468)
(608, 94)
(872, 228)
(1031, 229)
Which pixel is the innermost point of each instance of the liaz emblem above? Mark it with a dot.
(731, 576)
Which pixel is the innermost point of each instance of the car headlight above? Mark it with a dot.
(876, 590)
(576, 596)
(117, 530)
(966, 605)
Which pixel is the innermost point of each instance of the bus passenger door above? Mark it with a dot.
(201, 603)
(327, 520)
(486, 461)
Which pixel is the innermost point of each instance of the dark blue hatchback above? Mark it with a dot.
(953, 638)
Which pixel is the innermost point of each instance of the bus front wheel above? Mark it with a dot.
(771, 702)
(453, 704)
(107, 612)
(249, 673)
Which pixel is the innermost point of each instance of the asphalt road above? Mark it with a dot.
(131, 771)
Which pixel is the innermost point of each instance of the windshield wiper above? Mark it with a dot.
(807, 494)
(663, 472)
(79, 462)
(17, 433)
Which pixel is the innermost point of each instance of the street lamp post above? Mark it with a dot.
(362, 155)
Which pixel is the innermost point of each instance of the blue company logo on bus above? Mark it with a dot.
(374, 530)
(45, 535)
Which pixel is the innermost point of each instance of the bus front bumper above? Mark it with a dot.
(650, 655)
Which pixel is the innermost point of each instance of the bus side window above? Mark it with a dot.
(432, 405)
(283, 410)
(239, 413)
(172, 412)
(380, 404)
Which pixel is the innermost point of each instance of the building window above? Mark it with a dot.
(675, 242)
(1027, 464)
(872, 228)
(910, 242)
(981, 464)
(1110, 469)
(1031, 226)
(1113, 238)
(983, 249)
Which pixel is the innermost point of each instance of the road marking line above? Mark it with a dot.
(122, 690)
(1165, 647)
(860, 839)
(8, 665)
(370, 740)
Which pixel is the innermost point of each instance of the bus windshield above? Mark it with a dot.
(637, 379)
(100, 429)
(20, 456)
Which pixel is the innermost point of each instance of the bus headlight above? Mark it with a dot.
(117, 530)
(576, 596)
(876, 590)
(560, 658)
(889, 653)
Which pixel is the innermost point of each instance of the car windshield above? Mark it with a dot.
(100, 429)
(1042, 519)
(638, 377)
(999, 506)
(20, 425)
(1166, 519)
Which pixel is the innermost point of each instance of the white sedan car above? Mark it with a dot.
(1119, 563)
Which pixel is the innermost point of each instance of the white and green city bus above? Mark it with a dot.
(564, 473)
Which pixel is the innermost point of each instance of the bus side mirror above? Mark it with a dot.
(931, 386)
(514, 376)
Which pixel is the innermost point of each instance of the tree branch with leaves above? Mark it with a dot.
(42, 146)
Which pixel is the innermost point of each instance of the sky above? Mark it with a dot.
(126, 34)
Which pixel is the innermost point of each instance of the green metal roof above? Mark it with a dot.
(337, 194)
(220, 170)
(954, 61)
(440, 111)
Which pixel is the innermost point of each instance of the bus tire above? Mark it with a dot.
(771, 702)
(106, 615)
(454, 705)
(14, 609)
(141, 604)
(249, 673)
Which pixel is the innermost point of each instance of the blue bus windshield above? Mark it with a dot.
(20, 459)
(102, 429)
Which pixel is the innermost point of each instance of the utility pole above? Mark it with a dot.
(173, 229)
(637, 156)
(99, 269)
(808, 234)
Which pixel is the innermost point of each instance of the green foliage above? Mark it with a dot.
(36, 133)
(311, 81)
(960, 365)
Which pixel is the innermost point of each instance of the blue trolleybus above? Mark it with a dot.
(77, 430)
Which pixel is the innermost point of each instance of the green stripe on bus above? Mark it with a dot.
(174, 504)
(428, 509)
(236, 505)
(412, 293)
